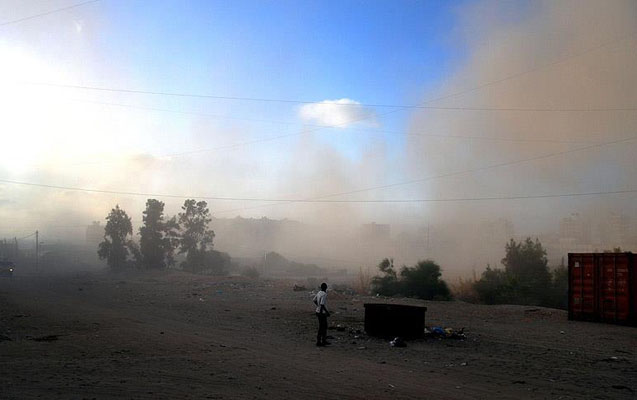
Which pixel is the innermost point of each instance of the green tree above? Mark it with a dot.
(115, 247)
(494, 287)
(559, 292)
(526, 263)
(158, 237)
(387, 285)
(196, 238)
(423, 281)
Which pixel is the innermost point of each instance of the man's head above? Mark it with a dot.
(323, 286)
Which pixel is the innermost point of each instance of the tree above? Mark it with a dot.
(387, 285)
(196, 238)
(115, 247)
(494, 287)
(526, 264)
(423, 281)
(158, 237)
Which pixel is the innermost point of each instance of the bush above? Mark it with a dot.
(421, 281)
(464, 289)
(558, 296)
(386, 285)
(363, 282)
(495, 287)
(251, 272)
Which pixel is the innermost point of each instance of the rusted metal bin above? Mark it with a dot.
(602, 287)
(391, 320)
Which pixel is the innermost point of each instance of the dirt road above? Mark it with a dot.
(174, 335)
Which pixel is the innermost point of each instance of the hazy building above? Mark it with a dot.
(376, 232)
(94, 233)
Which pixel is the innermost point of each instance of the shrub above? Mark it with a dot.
(464, 289)
(386, 285)
(423, 281)
(363, 282)
(251, 272)
(495, 287)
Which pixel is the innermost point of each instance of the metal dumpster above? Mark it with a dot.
(602, 287)
(391, 320)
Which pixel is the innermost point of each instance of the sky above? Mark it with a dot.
(335, 52)
(303, 100)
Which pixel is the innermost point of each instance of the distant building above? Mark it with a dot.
(376, 232)
(615, 231)
(94, 233)
(574, 234)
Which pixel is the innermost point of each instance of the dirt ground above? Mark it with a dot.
(174, 335)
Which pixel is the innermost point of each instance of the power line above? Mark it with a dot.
(455, 94)
(398, 107)
(322, 200)
(15, 21)
(450, 174)
(218, 116)
(288, 101)
(26, 237)
(317, 199)
(475, 88)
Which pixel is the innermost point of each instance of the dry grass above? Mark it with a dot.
(363, 281)
(463, 289)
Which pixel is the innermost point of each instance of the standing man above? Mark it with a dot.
(321, 312)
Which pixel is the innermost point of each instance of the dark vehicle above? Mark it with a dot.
(6, 269)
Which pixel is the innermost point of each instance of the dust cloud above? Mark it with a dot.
(542, 104)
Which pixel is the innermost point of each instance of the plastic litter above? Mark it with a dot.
(398, 342)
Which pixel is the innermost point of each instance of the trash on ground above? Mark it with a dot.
(47, 338)
(398, 342)
(439, 332)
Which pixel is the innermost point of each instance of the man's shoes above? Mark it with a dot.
(326, 343)
(319, 344)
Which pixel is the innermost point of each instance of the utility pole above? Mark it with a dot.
(265, 261)
(15, 254)
(37, 249)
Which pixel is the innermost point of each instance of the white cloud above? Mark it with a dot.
(339, 113)
(79, 25)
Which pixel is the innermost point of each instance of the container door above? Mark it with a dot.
(582, 304)
(614, 291)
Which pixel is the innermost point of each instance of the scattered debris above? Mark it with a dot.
(398, 342)
(614, 359)
(438, 332)
(298, 288)
(47, 338)
(340, 328)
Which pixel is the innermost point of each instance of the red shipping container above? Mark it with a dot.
(602, 287)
